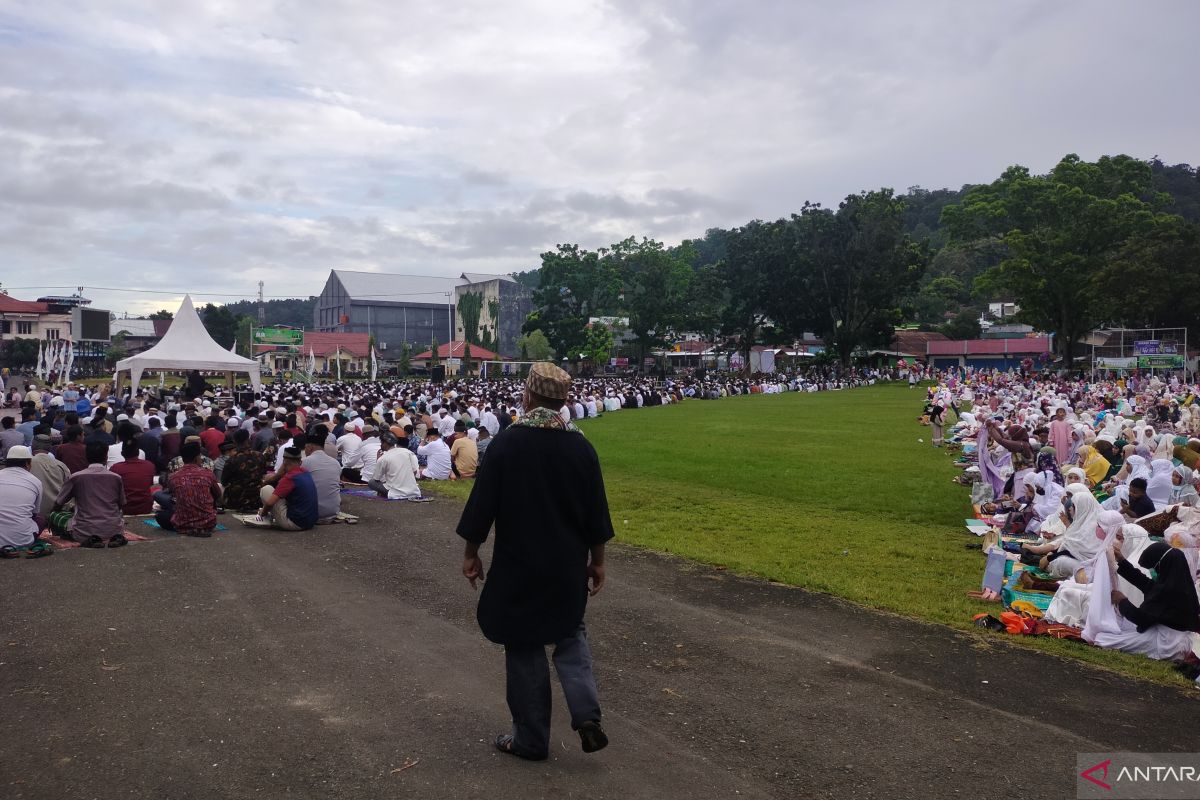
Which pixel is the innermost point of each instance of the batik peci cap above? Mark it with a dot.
(547, 380)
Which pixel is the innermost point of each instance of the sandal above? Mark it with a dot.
(94, 542)
(39, 550)
(505, 744)
(118, 540)
(8, 551)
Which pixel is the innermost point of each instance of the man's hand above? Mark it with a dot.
(472, 569)
(1116, 597)
(595, 574)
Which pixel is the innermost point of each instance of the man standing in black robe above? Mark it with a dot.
(543, 489)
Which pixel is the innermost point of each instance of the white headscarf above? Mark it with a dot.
(1159, 486)
(1049, 503)
(1080, 537)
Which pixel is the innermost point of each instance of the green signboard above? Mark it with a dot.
(288, 337)
(1160, 362)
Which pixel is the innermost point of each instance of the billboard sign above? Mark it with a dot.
(287, 337)
(1116, 363)
(90, 324)
(1156, 347)
(1160, 362)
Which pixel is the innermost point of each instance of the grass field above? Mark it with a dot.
(831, 492)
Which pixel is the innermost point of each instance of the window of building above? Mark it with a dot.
(5, 326)
(52, 333)
(24, 328)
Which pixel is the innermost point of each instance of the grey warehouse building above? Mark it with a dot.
(395, 308)
(420, 308)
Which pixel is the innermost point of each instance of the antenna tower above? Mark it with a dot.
(262, 308)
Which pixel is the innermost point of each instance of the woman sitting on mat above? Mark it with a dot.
(1168, 598)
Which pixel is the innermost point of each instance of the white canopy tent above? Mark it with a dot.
(187, 346)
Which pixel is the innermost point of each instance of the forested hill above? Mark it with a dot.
(295, 312)
(923, 211)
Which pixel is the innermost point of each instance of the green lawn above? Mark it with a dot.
(831, 492)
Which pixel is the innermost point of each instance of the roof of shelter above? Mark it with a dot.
(913, 343)
(1034, 345)
(328, 344)
(483, 277)
(446, 351)
(12, 305)
(388, 287)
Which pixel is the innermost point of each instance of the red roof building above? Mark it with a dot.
(330, 344)
(456, 350)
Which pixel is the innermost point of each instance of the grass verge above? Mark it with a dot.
(831, 492)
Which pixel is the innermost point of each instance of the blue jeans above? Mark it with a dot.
(166, 507)
(529, 689)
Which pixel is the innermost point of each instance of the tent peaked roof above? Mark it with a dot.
(185, 346)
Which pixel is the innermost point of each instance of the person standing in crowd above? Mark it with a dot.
(543, 490)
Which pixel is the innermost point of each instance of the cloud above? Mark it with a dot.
(212, 145)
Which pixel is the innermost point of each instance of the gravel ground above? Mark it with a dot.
(268, 664)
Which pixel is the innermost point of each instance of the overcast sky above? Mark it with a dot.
(207, 145)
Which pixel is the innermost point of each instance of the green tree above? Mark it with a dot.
(221, 324)
(245, 336)
(433, 354)
(655, 284)
(574, 284)
(116, 349)
(20, 353)
(847, 274)
(466, 358)
(599, 343)
(1153, 280)
(534, 346)
(162, 313)
(1059, 231)
(744, 280)
(404, 364)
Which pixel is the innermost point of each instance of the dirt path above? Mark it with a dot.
(262, 664)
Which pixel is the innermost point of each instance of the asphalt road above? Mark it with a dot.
(319, 664)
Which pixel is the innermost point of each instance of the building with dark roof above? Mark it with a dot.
(395, 309)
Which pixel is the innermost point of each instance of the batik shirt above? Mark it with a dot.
(243, 478)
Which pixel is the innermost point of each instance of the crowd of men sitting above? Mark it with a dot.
(78, 460)
(1093, 485)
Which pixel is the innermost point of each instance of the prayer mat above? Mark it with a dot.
(153, 523)
(371, 495)
(60, 543)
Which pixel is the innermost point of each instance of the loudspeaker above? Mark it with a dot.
(438, 373)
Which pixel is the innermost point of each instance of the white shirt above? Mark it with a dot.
(579, 410)
(445, 425)
(20, 499)
(437, 459)
(368, 454)
(591, 408)
(349, 446)
(491, 422)
(396, 469)
(115, 457)
(279, 454)
(565, 413)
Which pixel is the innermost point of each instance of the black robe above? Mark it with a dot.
(1168, 599)
(543, 489)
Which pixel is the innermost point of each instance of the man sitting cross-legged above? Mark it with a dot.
(291, 504)
(99, 496)
(190, 504)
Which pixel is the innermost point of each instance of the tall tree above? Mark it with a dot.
(221, 324)
(654, 284)
(848, 273)
(162, 313)
(745, 280)
(574, 284)
(1153, 280)
(534, 346)
(599, 343)
(469, 307)
(1059, 230)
